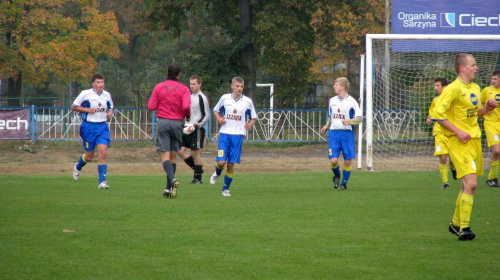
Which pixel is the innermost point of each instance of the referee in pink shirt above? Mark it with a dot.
(172, 100)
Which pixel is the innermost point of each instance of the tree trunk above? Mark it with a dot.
(14, 90)
(248, 51)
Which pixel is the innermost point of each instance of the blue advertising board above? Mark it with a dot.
(446, 17)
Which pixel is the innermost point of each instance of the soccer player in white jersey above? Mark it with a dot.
(344, 113)
(96, 107)
(232, 112)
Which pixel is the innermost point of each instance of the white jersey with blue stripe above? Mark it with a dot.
(236, 112)
(343, 109)
(90, 99)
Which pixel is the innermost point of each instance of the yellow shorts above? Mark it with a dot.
(492, 131)
(440, 145)
(467, 158)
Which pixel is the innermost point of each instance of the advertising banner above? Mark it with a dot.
(14, 124)
(447, 17)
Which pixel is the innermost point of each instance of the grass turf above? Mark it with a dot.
(387, 225)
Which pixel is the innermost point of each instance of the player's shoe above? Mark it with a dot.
(336, 182)
(196, 181)
(226, 193)
(214, 178)
(175, 185)
(445, 186)
(466, 234)
(166, 193)
(453, 173)
(453, 229)
(493, 183)
(103, 185)
(76, 173)
(343, 187)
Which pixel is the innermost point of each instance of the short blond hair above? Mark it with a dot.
(343, 81)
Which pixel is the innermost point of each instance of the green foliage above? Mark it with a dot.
(275, 226)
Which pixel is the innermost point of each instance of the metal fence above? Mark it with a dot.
(133, 124)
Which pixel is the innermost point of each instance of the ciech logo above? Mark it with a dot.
(16, 124)
(468, 20)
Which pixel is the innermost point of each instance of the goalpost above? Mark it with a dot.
(400, 73)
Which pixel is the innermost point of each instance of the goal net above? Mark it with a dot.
(400, 73)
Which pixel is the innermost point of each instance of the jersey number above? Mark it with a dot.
(220, 153)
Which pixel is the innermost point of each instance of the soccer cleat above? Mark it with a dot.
(166, 193)
(493, 183)
(453, 229)
(453, 173)
(103, 185)
(175, 185)
(445, 186)
(343, 187)
(196, 181)
(466, 234)
(336, 181)
(226, 193)
(214, 178)
(76, 173)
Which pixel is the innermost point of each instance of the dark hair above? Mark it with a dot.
(173, 71)
(97, 77)
(197, 78)
(443, 81)
(496, 73)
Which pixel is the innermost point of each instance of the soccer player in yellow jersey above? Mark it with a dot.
(457, 110)
(492, 126)
(440, 140)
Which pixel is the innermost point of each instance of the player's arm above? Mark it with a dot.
(355, 121)
(489, 106)
(205, 111)
(220, 119)
(328, 122)
(249, 124)
(77, 108)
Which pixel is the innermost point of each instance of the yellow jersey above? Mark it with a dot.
(459, 104)
(488, 93)
(437, 129)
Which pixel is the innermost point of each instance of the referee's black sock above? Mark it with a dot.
(190, 162)
(198, 170)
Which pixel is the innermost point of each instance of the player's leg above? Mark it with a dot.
(443, 170)
(188, 159)
(103, 141)
(88, 142)
(492, 131)
(334, 148)
(348, 150)
(493, 174)
(198, 166)
(221, 157)
(233, 156)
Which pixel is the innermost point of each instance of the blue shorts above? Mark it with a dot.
(229, 148)
(341, 141)
(94, 134)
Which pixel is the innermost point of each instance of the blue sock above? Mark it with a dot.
(336, 170)
(218, 170)
(102, 169)
(346, 175)
(81, 163)
(227, 181)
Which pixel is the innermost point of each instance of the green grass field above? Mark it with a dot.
(275, 226)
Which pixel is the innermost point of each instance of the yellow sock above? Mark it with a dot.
(334, 166)
(456, 215)
(443, 170)
(494, 170)
(83, 158)
(465, 210)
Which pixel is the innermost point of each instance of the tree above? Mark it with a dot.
(340, 29)
(274, 34)
(53, 37)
